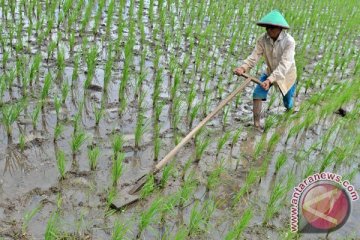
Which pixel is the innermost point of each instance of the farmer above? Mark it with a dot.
(278, 49)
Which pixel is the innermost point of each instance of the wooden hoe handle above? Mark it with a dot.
(171, 154)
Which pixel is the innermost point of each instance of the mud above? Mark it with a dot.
(30, 177)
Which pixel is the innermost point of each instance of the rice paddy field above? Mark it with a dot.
(94, 92)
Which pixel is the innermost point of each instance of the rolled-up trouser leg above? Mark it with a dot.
(288, 99)
(259, 95)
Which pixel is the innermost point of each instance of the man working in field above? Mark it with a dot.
(278, 48)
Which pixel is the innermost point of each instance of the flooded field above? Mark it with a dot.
(94, 93)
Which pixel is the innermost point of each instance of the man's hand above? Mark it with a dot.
(266, 84)
(238, 71)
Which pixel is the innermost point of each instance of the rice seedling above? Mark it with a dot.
(117, 144)
(148, 188)
(117, 168)
(57, 105)
(5, 60)
(122, 91)
(155, 32)
(213, 179)
(19, 69)
(200, 147)
(61, 163)
(187, 189)
(98, 113)
(234, 140)
(35, 114)
(22, 142)
(19, 46)
(200, 134)
(91, 65)
(148, 216)
(25, 80)
(168, 208)
(269, 123)
(5, 10)
(97, 17)
(72, 41)
(310, 169)
(2, 88)
(250, 180)
(166, 174)
(58, 130)
(220, 88)
(273, 206)
(175, 85)
(221, 143)
(28, 216)
(10, 114)
(157, 87)
(305, 154)
(87, 15)
(52, 231)
(50, 50)
(108, 69)
(75, 73)
(195, 221)
(64, 92)
(185, 64)
(140, 129)
(46, 88)
(93, 155)
(280, 161)
(151, 13)
(34, 70)
(78, 139)
(157, 145)
(191, 97)
(119, 231)
(186, 167)
(60, 64)
(176, 117)
(206, 103)
(11, 33)
(273, 141)
(140, 10)
(208, 209)
(240, 226)
(61, 18)
(238, 101)
(139, 83)
(193, 113)
(121, 25)
(260, 146)
(110, 13)
(351, 175)
(9, 78)
(328, 160)
(111, 195)
(181, 233)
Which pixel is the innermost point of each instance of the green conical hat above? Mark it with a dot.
(273, 18)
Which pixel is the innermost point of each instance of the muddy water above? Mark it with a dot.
(30, 177)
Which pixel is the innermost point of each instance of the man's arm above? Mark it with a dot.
(252, 59)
